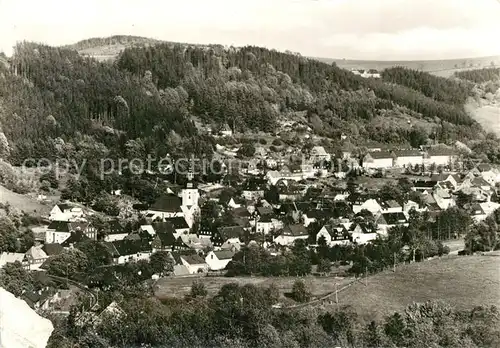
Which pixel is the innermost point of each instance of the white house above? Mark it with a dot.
(334, 235)
(59, 231)
(318, 154)
(218, 260)
(370, 204)
(290, 234)
(226, 131)
(440, 156)
(378, 160)
(271, 163)
(443, 198)
(409, 205)
(390, 206)
(36, 257)
(406, 158)
(194, 263)
(264, 225)
(127, 250)
(362, 235)
(66, 212)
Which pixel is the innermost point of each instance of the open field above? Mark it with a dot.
(463, 282)
(489, 117)
(179, 287)
(444, 68)
(23, 202)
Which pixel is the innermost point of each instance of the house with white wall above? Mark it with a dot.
(407, 158)
(378, 160)
(334, 235)
(440, 156)
(66, 212)
(218, 260)
(290, 234)
(59, 231)
(372, 205)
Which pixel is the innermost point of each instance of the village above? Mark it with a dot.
(274, 202)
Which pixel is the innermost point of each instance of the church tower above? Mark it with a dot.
(190, 194)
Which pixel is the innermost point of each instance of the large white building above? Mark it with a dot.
(378, 160)
(66, 212)
(406, 158)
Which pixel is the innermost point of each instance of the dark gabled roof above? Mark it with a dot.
(59, 226)
(319, 213)
(262, 211)
(177, 255)
(441, 151)
(484, 167)
(408, 153)
(193, 259)
(476, 209)
(295, 230)
(75, 237)
(65, 206)
(111, 248)
(161, 227)
(389, 204)
(129, 247)
(254, 184)
(266, 218)
(479, 181)
(338, 232)
(392, 218)
(285, 208)
(167, 239)
(140, 206)
(224, 254)
(168, 203)
(380, 154)
(177, 222)
(231, 232)
(115, 227)
(241, 212)
(425, 183)
(52, 249)
(364, 228)
(304, 206)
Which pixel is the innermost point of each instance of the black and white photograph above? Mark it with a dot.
(246, 174)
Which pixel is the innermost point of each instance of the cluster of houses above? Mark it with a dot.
(373, 73)
(171, 223)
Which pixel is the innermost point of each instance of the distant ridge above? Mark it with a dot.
(445, 67)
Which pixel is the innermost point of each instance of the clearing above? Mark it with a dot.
(23, 202)
(463, 282)
(181, 286)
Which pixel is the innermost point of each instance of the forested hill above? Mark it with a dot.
(52, 96)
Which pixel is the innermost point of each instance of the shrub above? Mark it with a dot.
(300, 292)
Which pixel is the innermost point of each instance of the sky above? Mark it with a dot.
(350, 29)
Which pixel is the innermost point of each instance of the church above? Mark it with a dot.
(183, 205)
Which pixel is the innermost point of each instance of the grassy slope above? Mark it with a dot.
(463, 282)
(23, 202)
(178, 287)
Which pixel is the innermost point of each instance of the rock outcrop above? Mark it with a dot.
(21, 326)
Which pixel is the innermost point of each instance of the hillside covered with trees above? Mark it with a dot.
(55, 103)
